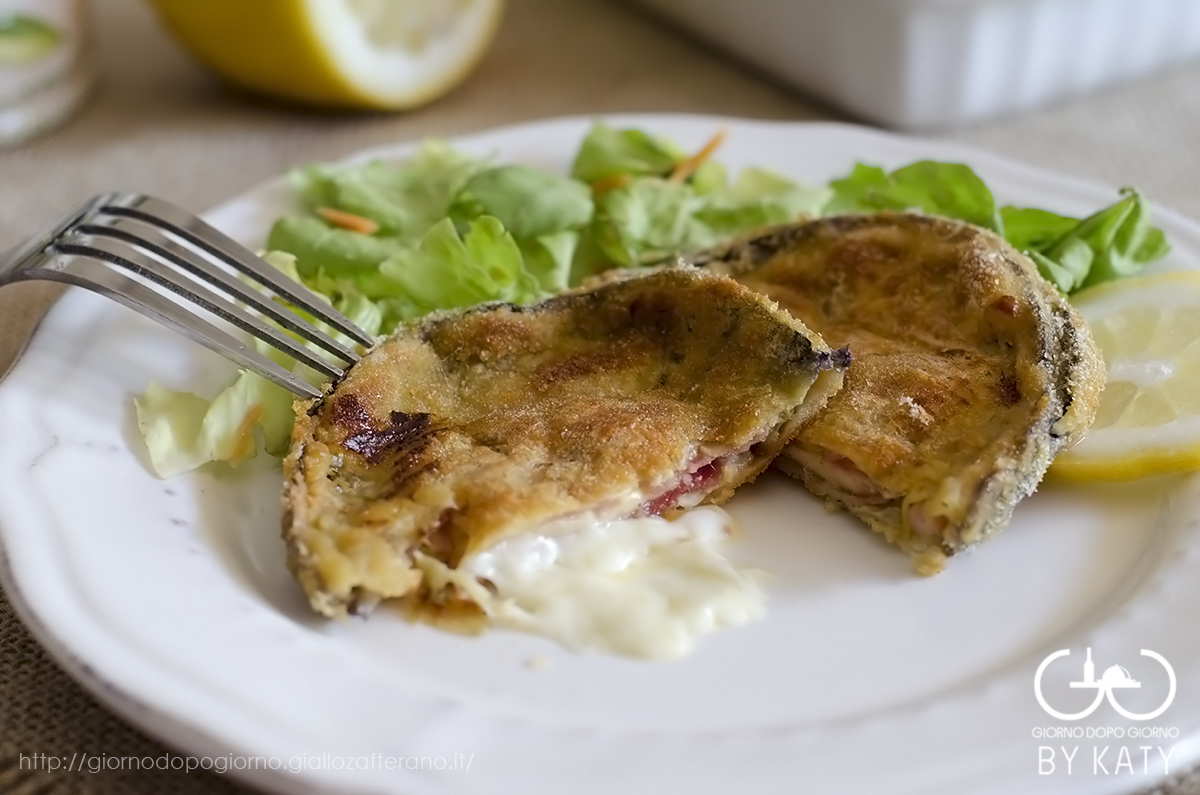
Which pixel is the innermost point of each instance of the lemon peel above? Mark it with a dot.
(352, 54)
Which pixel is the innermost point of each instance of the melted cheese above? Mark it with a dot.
(641, 587)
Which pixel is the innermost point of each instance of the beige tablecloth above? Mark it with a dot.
(162, 125)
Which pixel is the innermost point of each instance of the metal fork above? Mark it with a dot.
(178, 260)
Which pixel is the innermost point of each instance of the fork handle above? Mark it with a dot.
(31, 254)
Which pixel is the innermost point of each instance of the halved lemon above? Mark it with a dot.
(384, 54)
(1148, 330)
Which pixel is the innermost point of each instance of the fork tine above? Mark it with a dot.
(179, 222)
(122, 255)
(139, 233)
(99, 277)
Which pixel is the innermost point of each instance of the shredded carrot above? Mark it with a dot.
(245, 435)
(688, 166)
(610, 183)
(355, 223)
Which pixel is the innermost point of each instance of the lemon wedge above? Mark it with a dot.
(1148, 330)
(382, 54)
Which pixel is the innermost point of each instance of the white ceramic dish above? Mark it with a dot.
(171, 602)
(920, 64)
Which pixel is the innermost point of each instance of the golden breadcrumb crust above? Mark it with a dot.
(970, 371)
(470, 426)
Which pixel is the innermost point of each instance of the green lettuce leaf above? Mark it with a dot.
(1112, 243)
(1122, 237)
(358, 309)
(1030, 229)
(447, 271)
(1068, 268)
(649, 220)
(709, 177)
(758, 198)
(860, 191)
(530, 203)
(183, 431)
(549, 258)
(405, 199)
(338, 253)
(952, 190)
(589, 258)
(607, 153)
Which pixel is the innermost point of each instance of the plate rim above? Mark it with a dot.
(180, 732)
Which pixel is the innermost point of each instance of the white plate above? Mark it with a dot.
(171, 602)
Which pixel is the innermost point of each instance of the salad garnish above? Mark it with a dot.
(389, 242)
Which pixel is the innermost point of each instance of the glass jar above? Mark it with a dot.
(45, 71)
